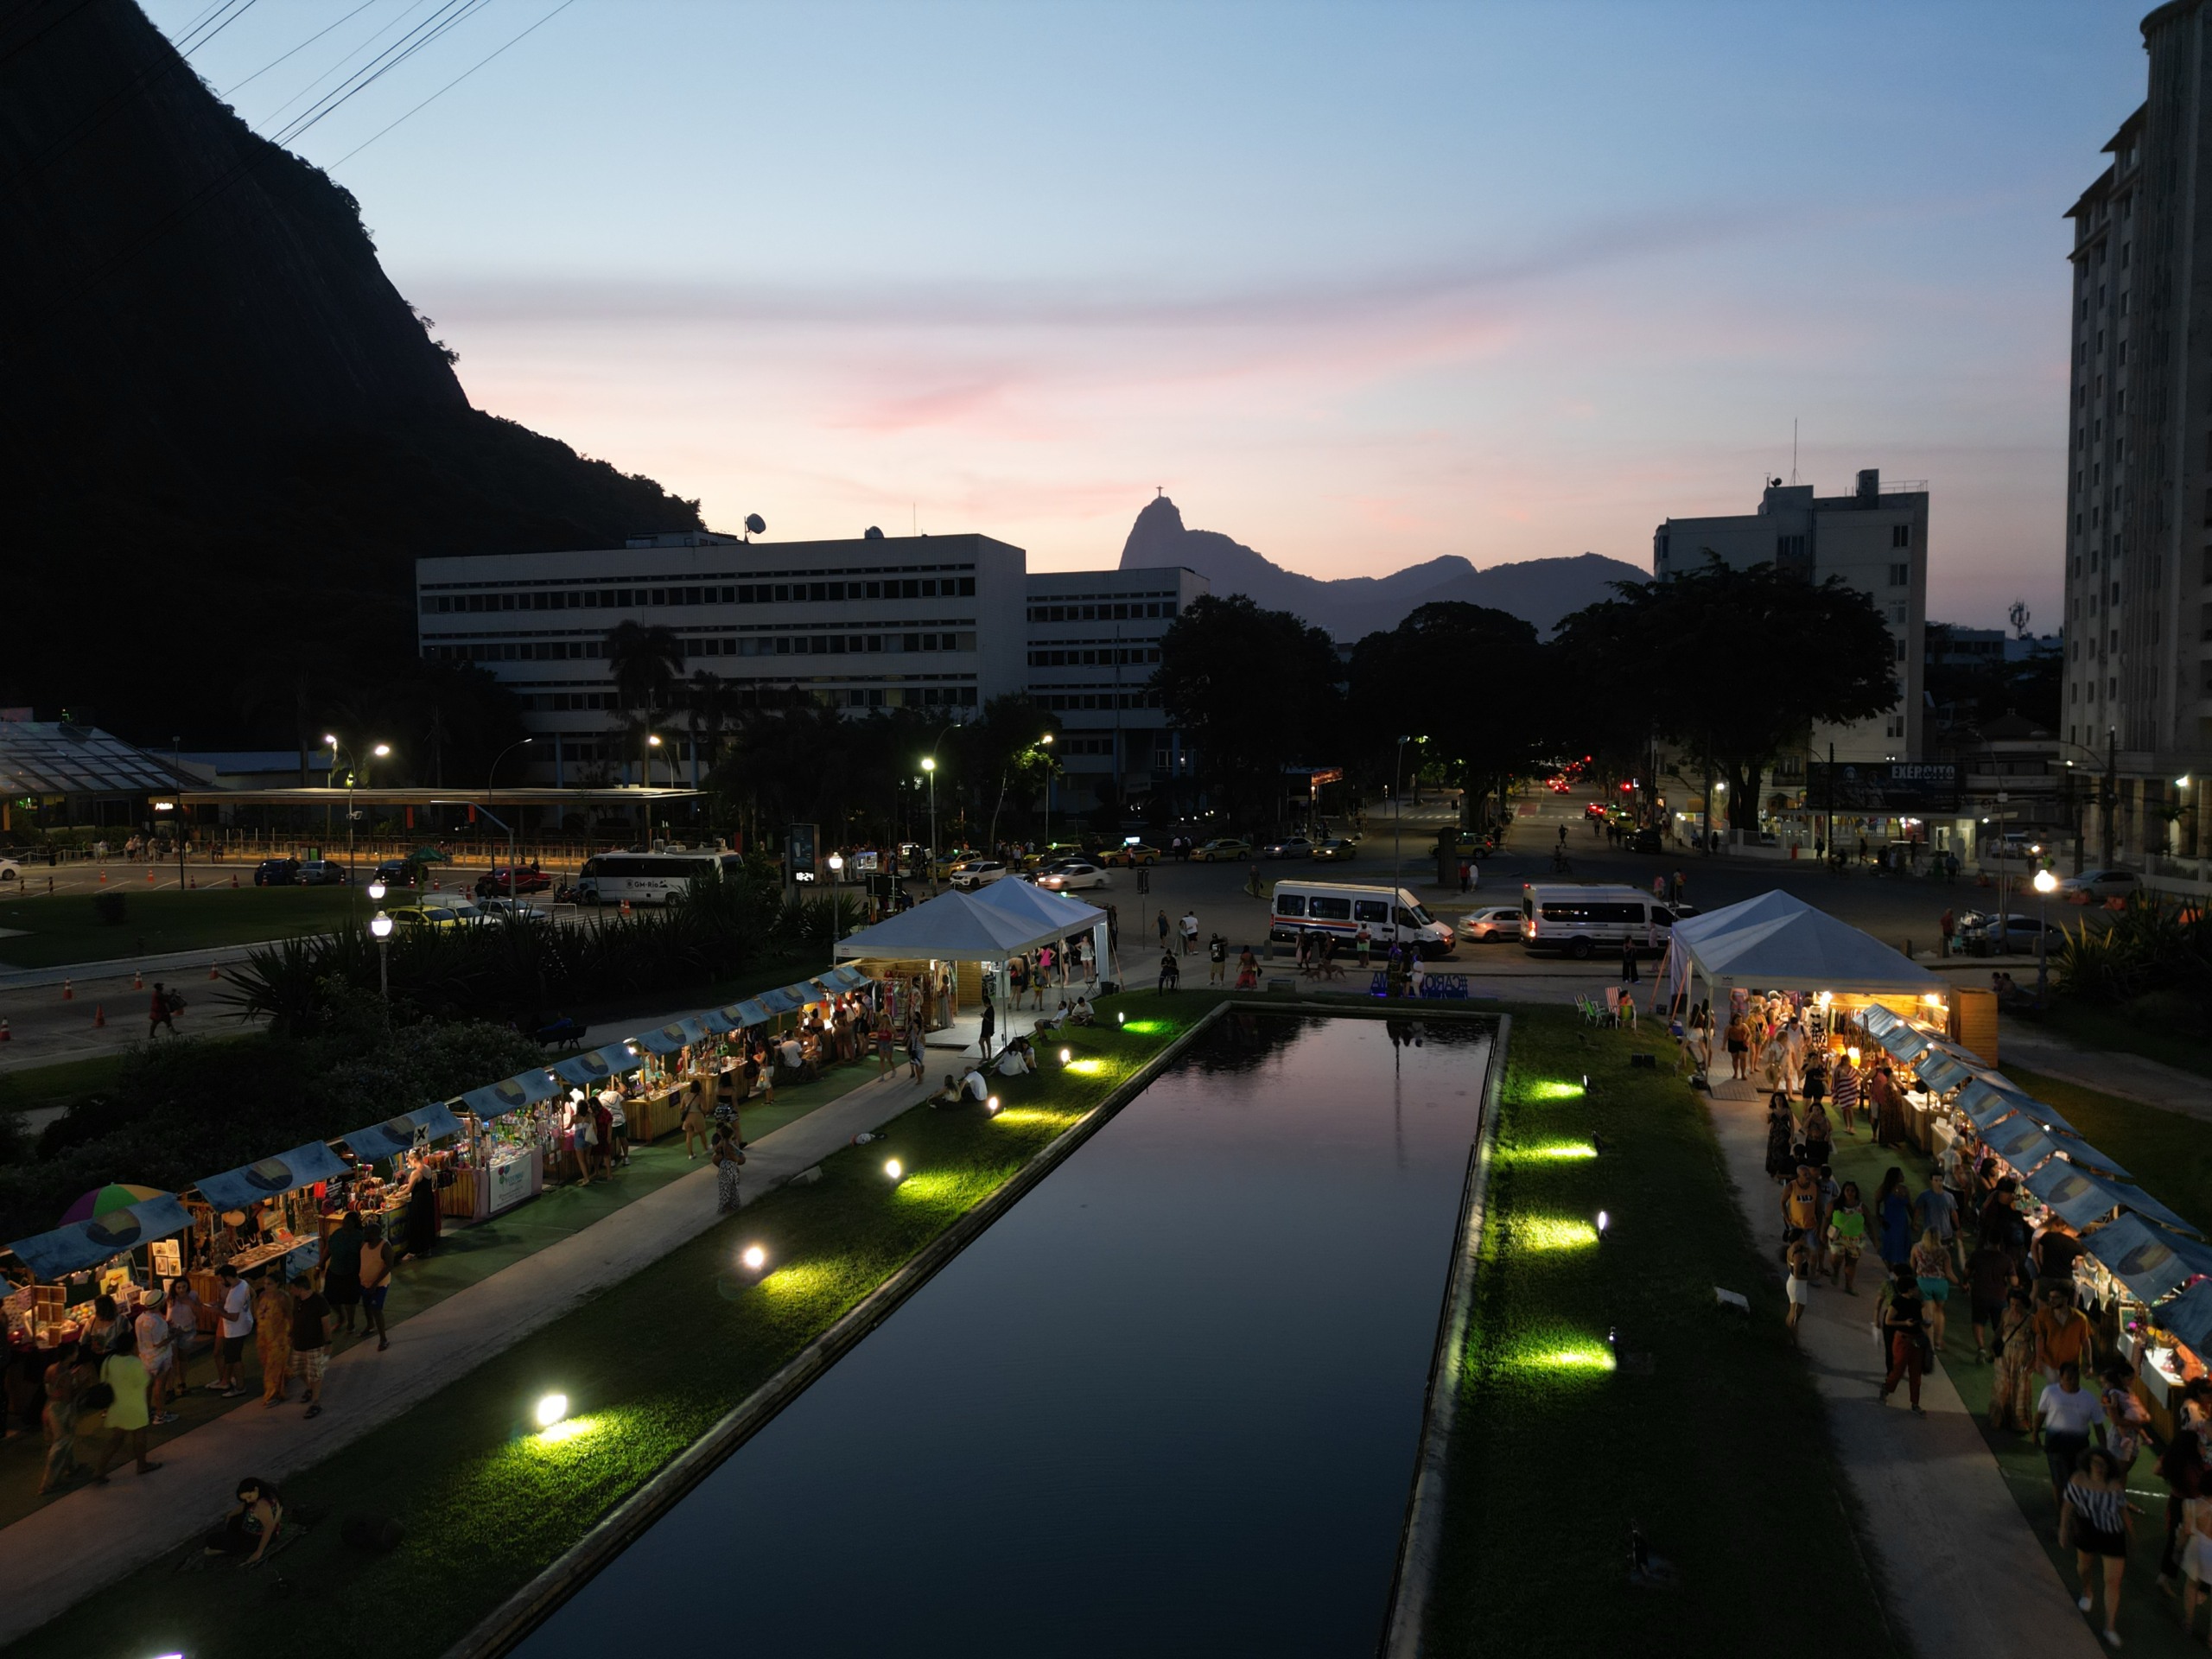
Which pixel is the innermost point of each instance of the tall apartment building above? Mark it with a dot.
(1877, 540)
(2138, 526)
(1094, 641)
(933, 622)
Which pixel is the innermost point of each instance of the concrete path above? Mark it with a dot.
(2131, 1077)
(96, 1534)
(1964, 1575)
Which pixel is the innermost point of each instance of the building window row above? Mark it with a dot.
(747, 592)
(1106, 657)
(1066, 702)
(1133, 611)
(825, 645)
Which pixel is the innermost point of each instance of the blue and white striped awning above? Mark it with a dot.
(84, 1244)
(512, 1094)
(397, 1134)
(590, 1070)
(672, 1038)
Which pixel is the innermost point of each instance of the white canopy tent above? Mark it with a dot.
(951, 927)
(1778, 942)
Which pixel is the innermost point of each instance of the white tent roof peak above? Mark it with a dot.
(1778, 942)
(1029, 901)
(951, 927)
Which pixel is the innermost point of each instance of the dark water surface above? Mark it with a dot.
(1167, 1404)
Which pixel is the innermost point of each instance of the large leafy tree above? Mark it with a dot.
(1469, 681)
(645, 661)
(1736, 664)
(1255, 690)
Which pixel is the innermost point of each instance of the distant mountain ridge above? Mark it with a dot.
(1540, 591)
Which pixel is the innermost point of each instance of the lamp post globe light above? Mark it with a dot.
(2046, 884)
(929, 765)
(380, 929)
(836, 863)
(1046, 742)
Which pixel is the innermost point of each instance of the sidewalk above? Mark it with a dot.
(1964, 1575)
(2131, 1077)
(72, 1548)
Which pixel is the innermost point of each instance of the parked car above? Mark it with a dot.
(509, 882)
(276, 872)
(1288, 846)
(2014, 933)
(1222, 851)
(1492, 924)
(1336, 849)
(951, 863)
(322, 873)
(1644, 841)
(1071, 875)
(397, 872)
(10, 870)
(428, 916)
(1130, 854)
(979, 872)
(2104, 884)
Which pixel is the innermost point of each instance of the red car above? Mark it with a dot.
(525, 881)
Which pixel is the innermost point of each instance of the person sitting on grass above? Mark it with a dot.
(1080, 1014)
(253, 1527)
(1018, 1059)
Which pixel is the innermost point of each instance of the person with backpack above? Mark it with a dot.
(166, 1005)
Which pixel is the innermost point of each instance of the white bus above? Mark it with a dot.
(1342, 908)
(647, 878)
(1583, 920)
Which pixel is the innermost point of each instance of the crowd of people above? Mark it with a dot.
(1963, 1236)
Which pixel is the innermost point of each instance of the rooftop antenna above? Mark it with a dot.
(1793, 449)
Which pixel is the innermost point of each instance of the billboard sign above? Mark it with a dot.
(1911, 786)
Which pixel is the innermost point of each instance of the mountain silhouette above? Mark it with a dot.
(1540, 591)
(229, 436)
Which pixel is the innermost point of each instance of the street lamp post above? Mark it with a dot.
(836, 863)
(382, 751)
(380, 930)
(489, 778)
(1397, 770)
(1046, 742)
(929, 765)
(2046, 883)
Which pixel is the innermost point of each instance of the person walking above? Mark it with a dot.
(1990, 1277)
(1893, 1215)
(2095, 1520)
(272, 1337)
(1217, 959)
(2013, 1383)
(1630, 975)
(695, 1109)
(341, 1271)
(129, 1413)
(1937, 1211)
(1800, 1282)
(64, 1384)
(376, 1283)
(1946, 925)
(728, 1160)
(1739, 1048)
(2182, 1466)
(1781, 1140)
(1844, 1090)
(162, 1011)
(1800, 1208)
(1363, 943)
(311, 1323)
(1846, 1237)
(1906, 1339)
(1190, 932)
(2063, 1334)
(157, 1349)
(989, 1028)
(2066, 1414)
(1931, 1270)
(1163, 926)
(234, 1300)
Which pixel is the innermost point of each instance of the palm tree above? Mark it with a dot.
(706, 705)
(645, 661)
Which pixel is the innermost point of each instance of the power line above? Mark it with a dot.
(340, 67)
(446, 18)
(296, 50)
(454, 82)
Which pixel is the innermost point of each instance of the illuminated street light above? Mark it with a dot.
(551, 1409)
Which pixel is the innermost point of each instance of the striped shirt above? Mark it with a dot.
(2102, 1508)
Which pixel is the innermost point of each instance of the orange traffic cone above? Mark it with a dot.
(149, 877)
(137, 981)
(212, 974)
(234, 878)
(68, 992)
(6, 1035)
(103, 878)
(625, 907)
(99, 1014)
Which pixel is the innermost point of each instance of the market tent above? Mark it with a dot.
(2137, 1199)
(403, 1134)
(586, 1069)
(753, 1012)
(1028, 900)
(510, 1094)
(1778, 942)
(671, 1037)
(2188, 1316)
(1943, 1073)
(781, 1001)
(2019, 1143)
(287, 1172)
(845, 977)
(84, 1244)
(1905, 1042)
(2076, 1195)
(951, 927)
(2081, 1152)
(2146, 1258)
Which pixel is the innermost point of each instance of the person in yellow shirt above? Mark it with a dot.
(128, 1415)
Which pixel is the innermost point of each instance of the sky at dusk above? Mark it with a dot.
(1359, 284)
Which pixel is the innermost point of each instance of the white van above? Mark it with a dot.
(1583, 921)
(648, 878)
(1341, 908)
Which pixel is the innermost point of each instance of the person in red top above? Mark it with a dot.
(161, 1013)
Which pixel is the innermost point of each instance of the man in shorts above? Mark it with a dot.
(376, 1280)
(234, 1298)
(310, 1340)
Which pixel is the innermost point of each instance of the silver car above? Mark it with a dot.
(1071, 874)
(1496, 922)
(2104, 884)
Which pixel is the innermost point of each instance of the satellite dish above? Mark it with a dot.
(871, 534)
(755, 524)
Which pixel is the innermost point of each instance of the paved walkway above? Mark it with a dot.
(72, 1547)
(1964, 1573)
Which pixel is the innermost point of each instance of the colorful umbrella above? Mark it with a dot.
(116, 1195)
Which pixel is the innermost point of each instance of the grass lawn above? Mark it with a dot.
(49, 932)
(57, 1084)
(1721, 1452)
(2152, 1037)
(485, 1502)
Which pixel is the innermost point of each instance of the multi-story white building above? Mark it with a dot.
(2139, 457)
(1094, 642)
(934, 622)
(1875, 539)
